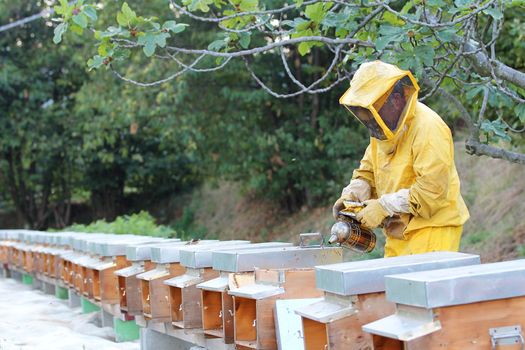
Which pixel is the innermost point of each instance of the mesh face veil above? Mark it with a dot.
(384, 117)
(365, 116)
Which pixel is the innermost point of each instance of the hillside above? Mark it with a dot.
(493, 190)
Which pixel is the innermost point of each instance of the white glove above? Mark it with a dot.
(396, 203)
(358, 190)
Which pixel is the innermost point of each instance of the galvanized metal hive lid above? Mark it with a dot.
(153, 274)
(88, 261)
(368, 276)
(460, 285)
(201, 256)
(117, 247)
(257, 291)
(142, 251)
(326, 311)
(276, 258)
(226, 258)
(102, 265)
(170, 253)
(183, 281)
(405, 325)
(219, 284)
(130, 271)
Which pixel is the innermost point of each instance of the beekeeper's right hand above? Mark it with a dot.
(357, 191)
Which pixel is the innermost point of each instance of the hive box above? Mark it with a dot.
(291, 276)
(354, 295)
(236, 268)
(470, 307)
(154, 293)
(139, 255)
(186, 300)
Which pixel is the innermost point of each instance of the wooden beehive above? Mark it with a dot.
(105, 282)
(155, 294)
(471, 307)
(112, 254)
(85, 267)
(139, 255)
(28, 260)
(236, 269)
(354, 295)
(253, 304)
(130, 286)
(38, 260)
(185, 297)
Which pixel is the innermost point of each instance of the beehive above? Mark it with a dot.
(470, 307)
(292, 277)
(354, 295)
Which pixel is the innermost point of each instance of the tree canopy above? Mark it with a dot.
(140, 101)
(459, 50)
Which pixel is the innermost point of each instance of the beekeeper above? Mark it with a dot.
(407, 178)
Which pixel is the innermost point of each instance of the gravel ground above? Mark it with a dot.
(30, 319)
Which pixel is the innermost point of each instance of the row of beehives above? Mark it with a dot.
(235, 294)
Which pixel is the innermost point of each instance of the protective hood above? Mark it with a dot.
(371, 88)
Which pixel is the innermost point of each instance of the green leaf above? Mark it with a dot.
(494, 13)
(150, 41)
(248, 5)
(76, 29)
(382, 42)
(446, 35)
(91, 12)
(298, 3)
(425, 53)
(304, 47)
(389, 17)
(496, 127)
(95, 62)
(202, 5)
(407, 7)
(59, 31)
(435, 3)
(65, 10)
(388, 34)
(174, 27)
(462, 3)
(81, 19)
(520, 112)
(315, 12)
(122, 20)
(474, 92)
(111, 32)
(104, 47)
(244, 40)
(216, 45)
(128, 13)
(121, 54)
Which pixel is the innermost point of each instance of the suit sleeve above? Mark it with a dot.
(433, 155)
(366, 169)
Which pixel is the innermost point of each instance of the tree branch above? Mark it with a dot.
(273, 45)
(477, 148)
(482, 65)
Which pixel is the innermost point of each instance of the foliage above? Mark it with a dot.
(37, 154)
(226, 89)
(63, 134)
(186, 227)
(293, 152)
(458, 47)
(141, 223)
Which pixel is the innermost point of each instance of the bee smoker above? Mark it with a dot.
(348, 232)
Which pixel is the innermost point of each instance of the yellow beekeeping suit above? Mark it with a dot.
(417, 155)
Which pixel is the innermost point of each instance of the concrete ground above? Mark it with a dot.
(30, 319)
